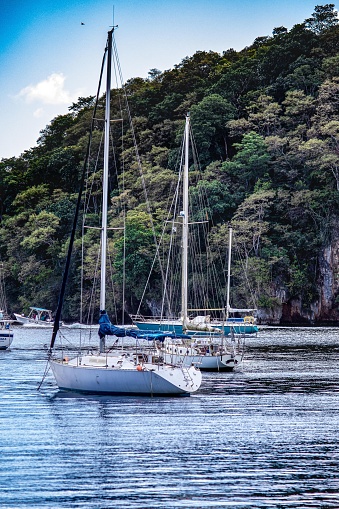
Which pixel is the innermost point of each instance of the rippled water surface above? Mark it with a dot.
(265, 436)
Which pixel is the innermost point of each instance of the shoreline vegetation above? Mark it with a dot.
(266, 124)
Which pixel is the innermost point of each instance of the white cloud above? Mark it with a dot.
(48, 91)
(38, 113)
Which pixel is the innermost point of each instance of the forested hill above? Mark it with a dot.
(266, 123)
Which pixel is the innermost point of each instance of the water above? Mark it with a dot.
(265, 436)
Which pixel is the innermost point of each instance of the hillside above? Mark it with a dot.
(266, 124)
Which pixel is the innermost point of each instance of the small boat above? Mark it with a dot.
(6, 332)
(36, 316)
(132, 369)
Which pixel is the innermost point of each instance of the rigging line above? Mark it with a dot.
(82, 276)
(203, 191)
(176, 259)
(138, 156)
(245, 274)
(174, 208)
(47, 368)
(200, 284)
(123, 208)
(158, 245)
(204, 196)
(56, 325)
(124, 218)
(86, 204)
(122, 202)
(114, 300)
(167, 273)
(3, 302)
(90, 311)
(88, 193)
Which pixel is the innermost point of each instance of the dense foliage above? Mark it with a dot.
(266, 124)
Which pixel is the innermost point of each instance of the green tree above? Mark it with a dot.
(249, 164)
(139, 253)
(323, 18)
(209, 120)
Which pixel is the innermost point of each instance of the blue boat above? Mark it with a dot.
(233, 325)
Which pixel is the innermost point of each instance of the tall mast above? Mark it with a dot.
(184, 213)
(105, 180)
(229, 272)
(105, 176)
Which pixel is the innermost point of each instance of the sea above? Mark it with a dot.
(263, 436)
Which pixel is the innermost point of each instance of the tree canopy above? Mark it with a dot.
(266, 126)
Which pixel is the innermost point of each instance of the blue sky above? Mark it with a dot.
(48, 59)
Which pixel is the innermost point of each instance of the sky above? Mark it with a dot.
(51, 51)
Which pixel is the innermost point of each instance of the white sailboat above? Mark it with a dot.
(209, 348)
(211, 345)
(128, 370)
(6, 331)
(212, 351)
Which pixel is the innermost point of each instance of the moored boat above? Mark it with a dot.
(36, 316)
(137, 368)
(209, 354)
(217, 352)
(242, 325)
(6, 331)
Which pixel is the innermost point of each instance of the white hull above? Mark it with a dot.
(114, 374)
(26, 321)
(209, 353)
(207, 362)
(6, 338)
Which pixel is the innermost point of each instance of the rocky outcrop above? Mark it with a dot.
(291, 310)
(325, 310)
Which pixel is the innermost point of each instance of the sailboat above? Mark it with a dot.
(234, 320)
(125, 370)
(213, 350)
(6, 332)
(213, 345)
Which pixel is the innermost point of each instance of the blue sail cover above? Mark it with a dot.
(106, 328)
